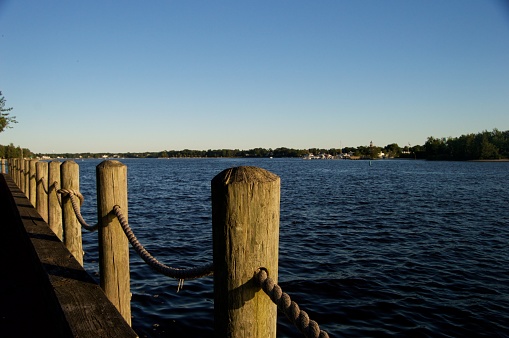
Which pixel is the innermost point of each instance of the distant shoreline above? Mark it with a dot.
(499, 160)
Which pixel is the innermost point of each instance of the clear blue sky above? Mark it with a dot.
(119, 76)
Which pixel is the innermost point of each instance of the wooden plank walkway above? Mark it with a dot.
(44, 291)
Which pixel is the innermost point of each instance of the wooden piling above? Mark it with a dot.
(27, 178)
(14, 170)
(20, 170)
(54, 208)
(42, 186)
(16, 165)
(33, 182)
(22, 173)
(245, 231)
(113, 244)
(70, 180)
(3, 166)
(15, 174)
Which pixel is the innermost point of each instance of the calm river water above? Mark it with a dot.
(395, 248)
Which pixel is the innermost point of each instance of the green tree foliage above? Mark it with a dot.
(11, 151)
(368, 152)
(392, 150)
(487, 145)
(5, 119)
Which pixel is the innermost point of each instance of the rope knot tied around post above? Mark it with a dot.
(72, 194)
(285, 304)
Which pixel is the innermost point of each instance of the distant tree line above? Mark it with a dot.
(391, 150)
(487, 145)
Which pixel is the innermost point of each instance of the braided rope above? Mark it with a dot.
(168, 271)
(72, 195)
(291, 310)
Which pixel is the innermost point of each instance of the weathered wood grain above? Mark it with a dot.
(27, 178)
(245, 222)
(32, 182)
(70, 177)
(113, 244)
(41, 201)
(54, 208)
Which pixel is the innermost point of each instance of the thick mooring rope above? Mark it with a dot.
(180, 274)
(291, 310)
(72, 195)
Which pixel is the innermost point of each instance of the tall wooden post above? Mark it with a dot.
(33, 182)
(18, 172)
(113, 244)
(22, 174)
(21, 164)
(42, 185)
(245, 232)
(27, 178)
(3, 166)
(70, 177)
(54, 209)
(15, 171)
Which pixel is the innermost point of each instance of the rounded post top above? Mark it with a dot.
(244, 174)
(69, 162)
(110, 164)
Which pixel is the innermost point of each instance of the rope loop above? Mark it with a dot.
(180, 274)
(53, 186)
(291, 310)
(70, 192)
(72, 196)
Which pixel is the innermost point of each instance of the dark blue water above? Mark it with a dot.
(395, 248)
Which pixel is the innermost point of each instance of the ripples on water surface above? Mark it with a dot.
(396, 248)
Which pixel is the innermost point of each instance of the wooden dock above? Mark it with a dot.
(44, 291)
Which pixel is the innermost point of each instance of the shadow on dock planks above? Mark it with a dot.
(44, 291)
